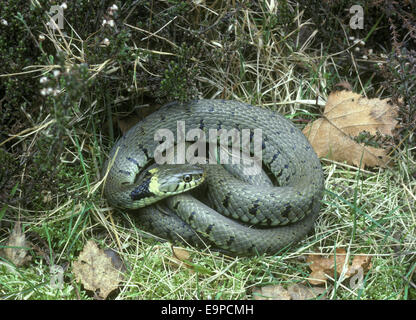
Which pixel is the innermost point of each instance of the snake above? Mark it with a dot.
(210, 204)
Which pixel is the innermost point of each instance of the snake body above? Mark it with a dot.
(255, 219)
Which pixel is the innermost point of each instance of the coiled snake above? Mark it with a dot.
(257, 218)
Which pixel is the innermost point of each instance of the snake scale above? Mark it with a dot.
(273, 217)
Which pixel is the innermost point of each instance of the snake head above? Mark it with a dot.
(162, 181)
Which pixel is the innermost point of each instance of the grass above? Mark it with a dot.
(247, 56)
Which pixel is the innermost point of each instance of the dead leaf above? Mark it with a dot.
(116, 260)
(271, 292)
(359, 262)
(181, 253)
(301, 292)
(346, 115)
(16, 247)
(293, 292)
(94, 269)
(180, 258)
(321, 266)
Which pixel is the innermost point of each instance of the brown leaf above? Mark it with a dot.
(317, 277)
(359, 262)
(301, 292)
(116, 260)
(271, 292)
(180, 258)
(16, 247)
(346, 115)
(94, 269)
(293, 292)
(181, 253)
(321, 266)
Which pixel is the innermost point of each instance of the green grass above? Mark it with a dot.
(55, 187)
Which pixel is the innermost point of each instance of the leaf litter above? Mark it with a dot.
(322, 267)
(94, 268)
(346, 116)
(17, 247)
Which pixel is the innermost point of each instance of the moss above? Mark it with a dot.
(389, 280)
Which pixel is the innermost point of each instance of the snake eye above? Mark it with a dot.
(187, 177)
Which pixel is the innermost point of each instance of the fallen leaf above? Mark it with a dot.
(346, 115)
(182, 258)
(181, 254)
(293, 292)
(94, 269)
(271, 292)
(299, 291)
(321, 267)
(16, 247)
(116, 260)
(359, 262)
